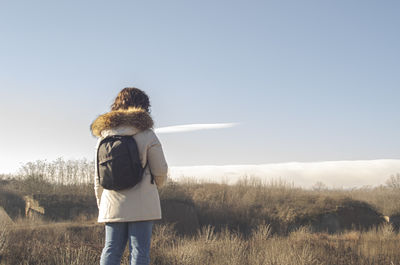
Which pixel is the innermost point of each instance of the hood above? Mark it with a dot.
(132, 117)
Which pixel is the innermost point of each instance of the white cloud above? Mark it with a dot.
(194, 127)
(346, 174)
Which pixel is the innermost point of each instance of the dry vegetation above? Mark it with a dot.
(77, 244)
(248, 223)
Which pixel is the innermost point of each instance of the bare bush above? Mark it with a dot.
(394, 181)
(319, 186)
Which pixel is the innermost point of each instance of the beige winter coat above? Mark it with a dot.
(141, 202)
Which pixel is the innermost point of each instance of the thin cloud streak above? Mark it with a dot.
(194, 127)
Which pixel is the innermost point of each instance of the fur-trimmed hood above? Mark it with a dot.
(134, 117)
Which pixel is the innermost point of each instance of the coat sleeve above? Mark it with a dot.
(98, 189)
(156, 160)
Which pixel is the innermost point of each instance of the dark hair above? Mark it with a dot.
(131, 97)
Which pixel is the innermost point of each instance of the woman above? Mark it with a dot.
(128, 214)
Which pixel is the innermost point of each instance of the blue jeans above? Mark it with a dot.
(117, 234)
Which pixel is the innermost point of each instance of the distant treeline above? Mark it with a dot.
(59, 171)
(81, 171)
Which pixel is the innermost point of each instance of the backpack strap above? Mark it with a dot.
(151, 174)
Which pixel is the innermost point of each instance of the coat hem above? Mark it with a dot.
(115, 220)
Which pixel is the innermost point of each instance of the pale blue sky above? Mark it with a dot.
(305, 80)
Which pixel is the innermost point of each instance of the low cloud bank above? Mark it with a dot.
(194, 127)
(334, 174)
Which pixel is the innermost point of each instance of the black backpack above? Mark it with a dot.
(118, 163)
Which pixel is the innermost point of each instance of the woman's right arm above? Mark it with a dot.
(98, 189)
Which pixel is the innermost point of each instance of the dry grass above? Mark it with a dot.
(248, 223)
(4, 236)
(77, 244)
(244, 206)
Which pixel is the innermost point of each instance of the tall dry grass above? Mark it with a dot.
(77, 244)
(4, 237)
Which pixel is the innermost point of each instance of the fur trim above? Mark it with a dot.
(135, 117)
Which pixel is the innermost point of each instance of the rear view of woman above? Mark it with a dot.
(128, 214)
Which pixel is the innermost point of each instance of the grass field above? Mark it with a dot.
(248, 223)
(72, 243)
